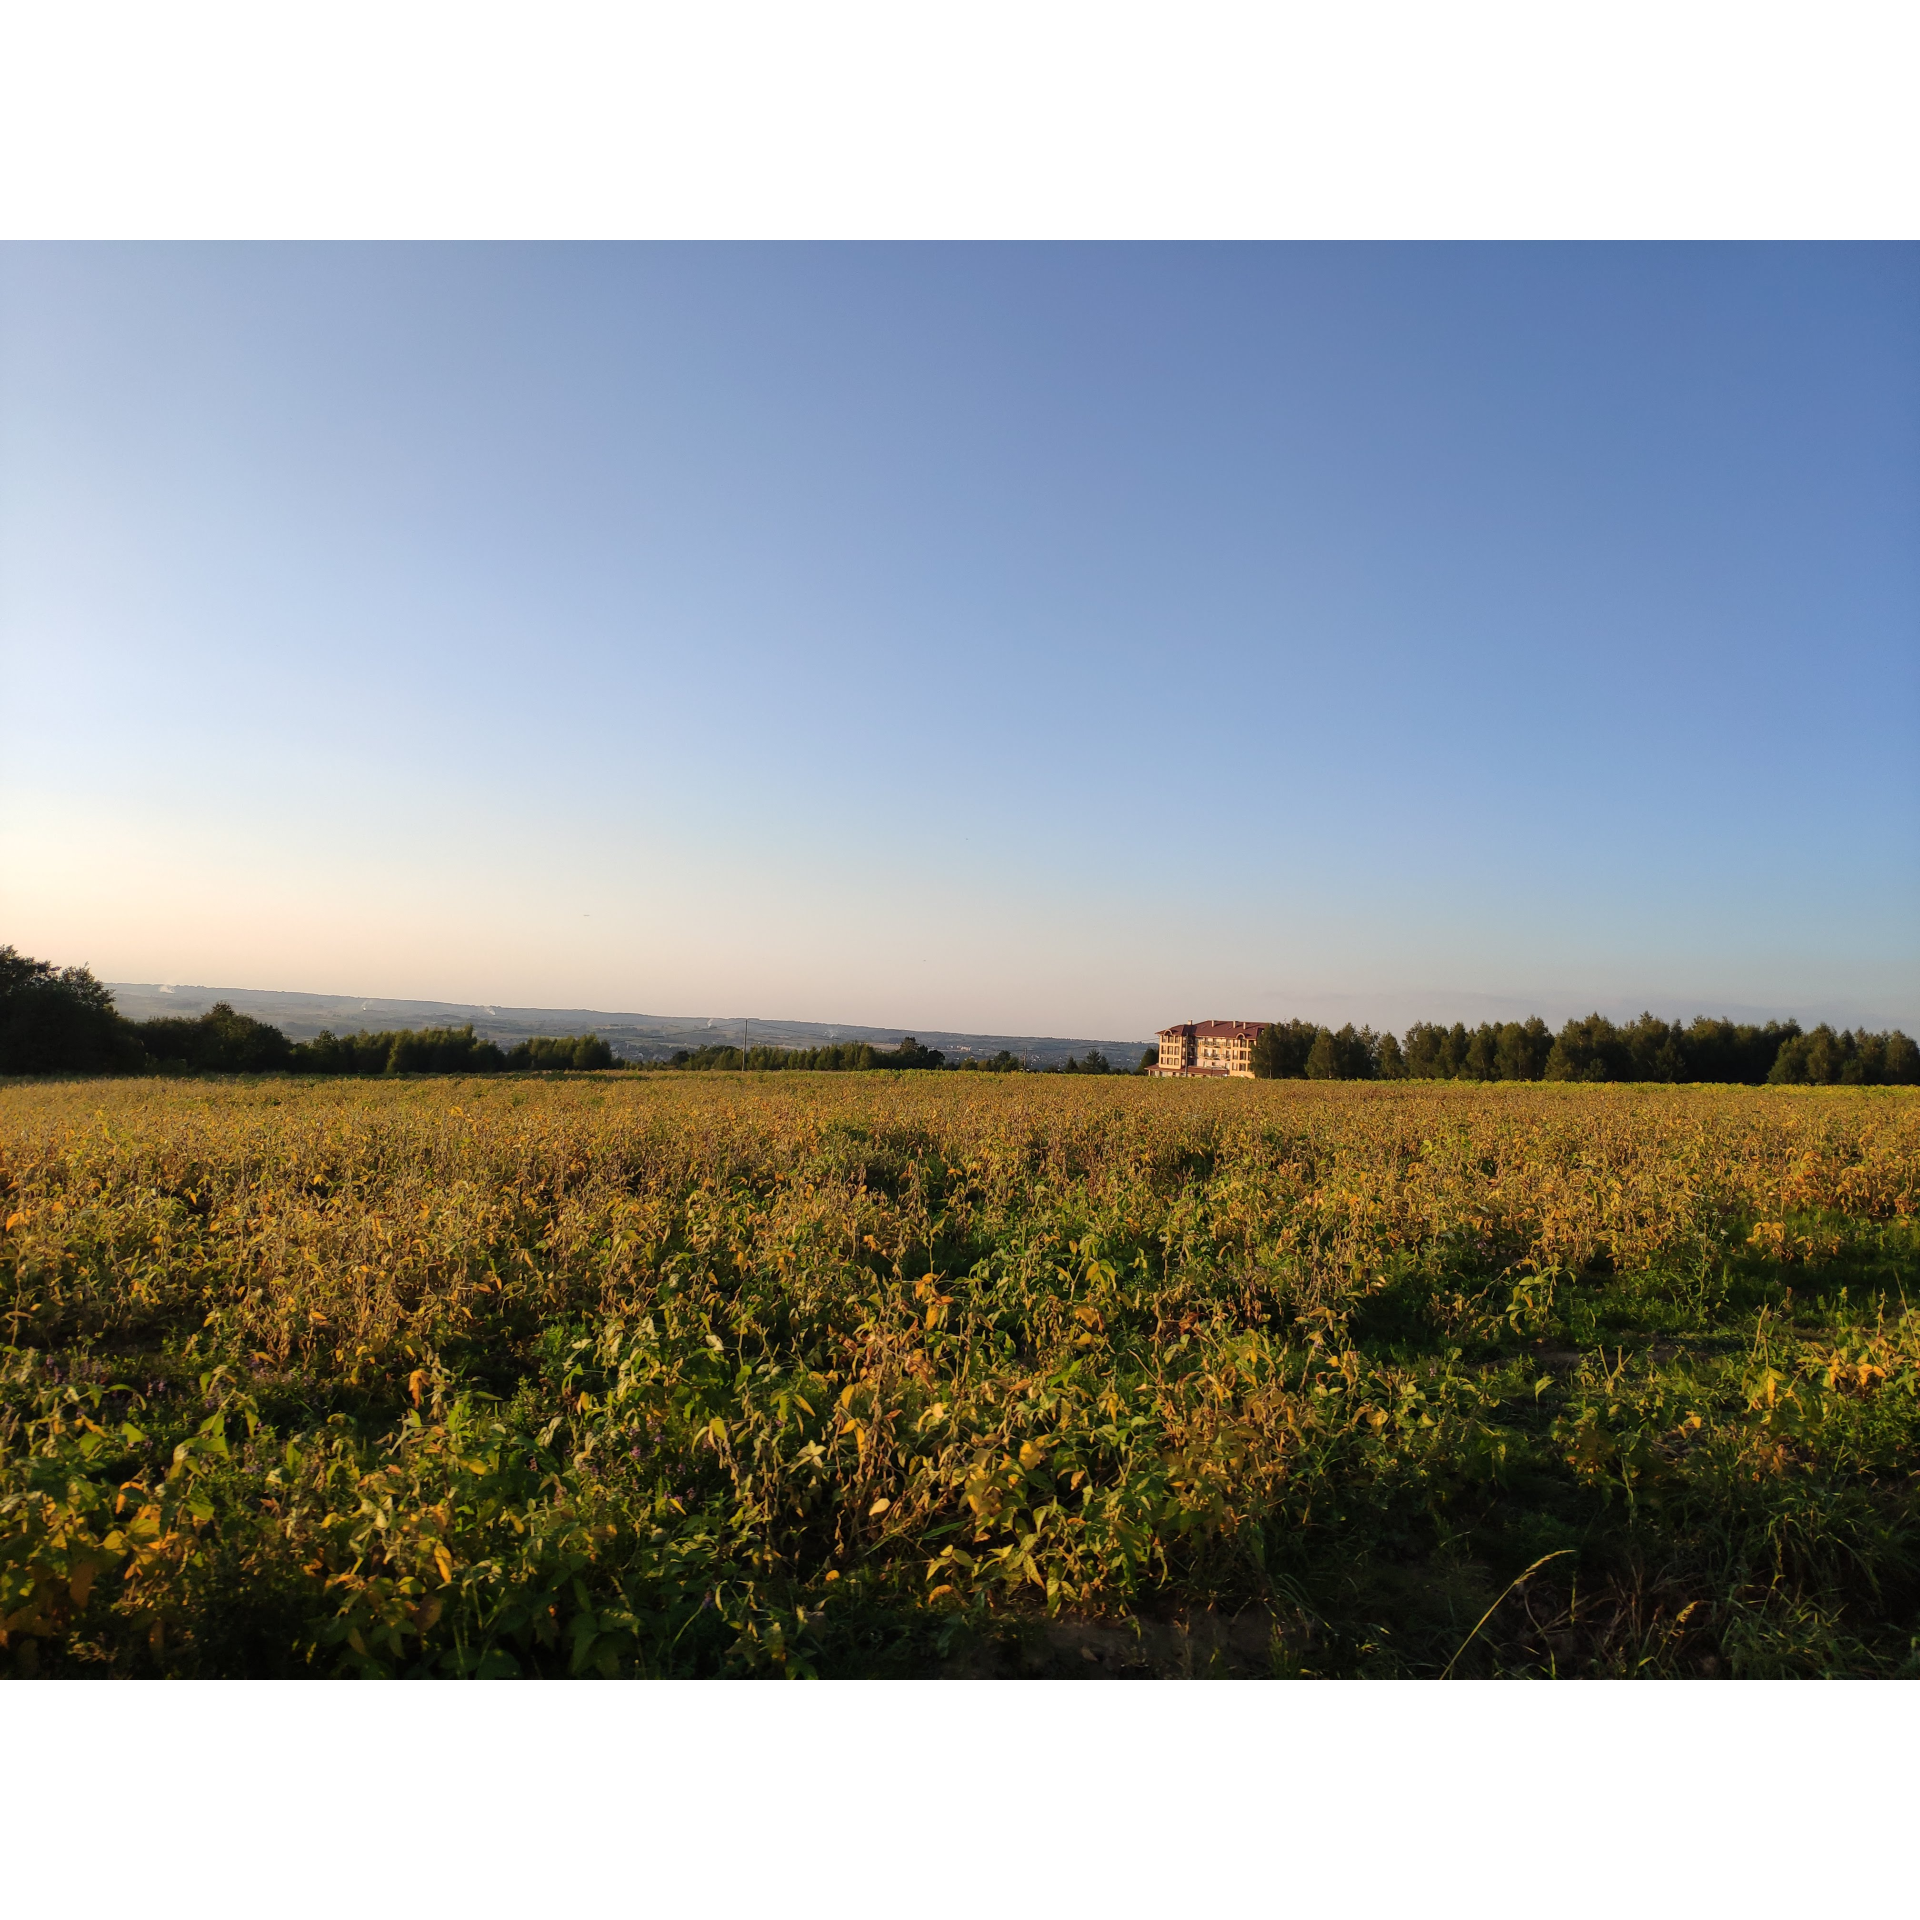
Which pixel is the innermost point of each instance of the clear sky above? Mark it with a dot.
(1030, 639)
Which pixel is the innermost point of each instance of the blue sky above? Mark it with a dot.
(1025, 639)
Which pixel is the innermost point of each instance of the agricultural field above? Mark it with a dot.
(931, 1374)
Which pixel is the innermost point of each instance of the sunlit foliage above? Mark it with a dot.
(873, 1373)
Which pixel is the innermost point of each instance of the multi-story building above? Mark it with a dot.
(1208, 1049)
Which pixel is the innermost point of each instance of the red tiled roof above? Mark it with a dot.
(1214, 1029)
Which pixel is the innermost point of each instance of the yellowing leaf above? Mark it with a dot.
(878, 1507)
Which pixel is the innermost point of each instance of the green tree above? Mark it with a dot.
(1481, 1061)
(1656, 1050)
(60, 1020)
(1280, 1051)
(1588, 1049)
(1723, 1053)
(450, 1050)
(1001, 1062)
(1521, 1050)
(1436, 1052)
(219, 1041)
(443, 1050)
(1346, 1055)
(911, 1054)
(1824, 1058)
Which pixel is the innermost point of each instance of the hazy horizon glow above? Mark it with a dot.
(1007, 639)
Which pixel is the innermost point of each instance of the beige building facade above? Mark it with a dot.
(1208, 1050)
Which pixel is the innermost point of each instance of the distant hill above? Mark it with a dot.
(632, 1036)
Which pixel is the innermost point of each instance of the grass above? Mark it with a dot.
(924, 1374)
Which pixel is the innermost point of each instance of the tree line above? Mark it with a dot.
(449, 1050)
(1592, 1048)
(860, 1056)
(63, 1020)
(844, 1056)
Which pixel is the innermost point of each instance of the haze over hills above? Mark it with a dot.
(632, 1036)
